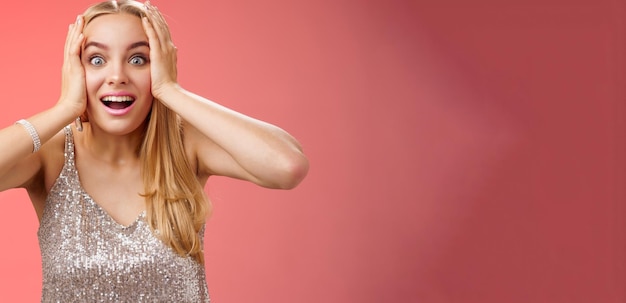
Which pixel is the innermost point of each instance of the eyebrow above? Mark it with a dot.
(102, 46)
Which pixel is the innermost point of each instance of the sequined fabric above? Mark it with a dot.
(89, 257)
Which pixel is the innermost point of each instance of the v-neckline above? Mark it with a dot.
(107, 215)
(91, 200)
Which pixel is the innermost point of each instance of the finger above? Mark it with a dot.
(75, 48)
(70, 35)
(150, 28)
(160, 26)
(74, 37)
(153, 40)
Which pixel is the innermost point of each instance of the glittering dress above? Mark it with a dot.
(89, 257)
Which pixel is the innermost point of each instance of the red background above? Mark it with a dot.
(461, 151)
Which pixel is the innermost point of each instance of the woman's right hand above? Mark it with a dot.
(73, 88)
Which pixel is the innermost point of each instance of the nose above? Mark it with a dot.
(117, 74)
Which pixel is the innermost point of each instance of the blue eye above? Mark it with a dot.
(96, 60)
(138, 60)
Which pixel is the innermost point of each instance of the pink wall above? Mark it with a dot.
(461, 151)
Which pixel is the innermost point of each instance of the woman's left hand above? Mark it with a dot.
(162, 51)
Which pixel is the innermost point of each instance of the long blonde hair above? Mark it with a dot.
(176, 206)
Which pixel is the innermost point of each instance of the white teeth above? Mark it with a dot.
(117, 99)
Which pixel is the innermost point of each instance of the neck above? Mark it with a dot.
(112, 148)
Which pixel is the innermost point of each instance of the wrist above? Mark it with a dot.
(167, 92)
(67, 112)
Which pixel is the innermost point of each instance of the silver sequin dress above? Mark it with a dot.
(89, 257)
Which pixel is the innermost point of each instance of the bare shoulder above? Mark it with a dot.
(52, 160)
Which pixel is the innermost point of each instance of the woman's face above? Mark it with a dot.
(116, 57)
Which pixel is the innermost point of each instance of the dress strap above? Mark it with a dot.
(69, 145)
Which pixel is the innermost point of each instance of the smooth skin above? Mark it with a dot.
(121, 53)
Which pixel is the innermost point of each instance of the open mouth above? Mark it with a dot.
(117, 102)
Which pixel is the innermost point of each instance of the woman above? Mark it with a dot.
(119, 195)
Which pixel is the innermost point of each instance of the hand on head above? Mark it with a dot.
(163, 59)
(162, 50)
(73, 89)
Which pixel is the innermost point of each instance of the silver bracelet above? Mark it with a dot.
(32, 132)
